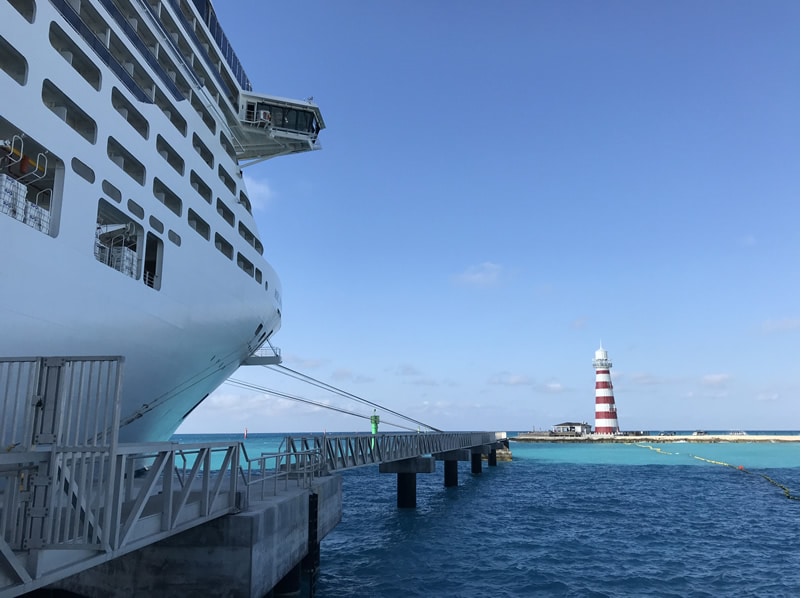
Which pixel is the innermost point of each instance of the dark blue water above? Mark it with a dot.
(572, 520)
(606, 520)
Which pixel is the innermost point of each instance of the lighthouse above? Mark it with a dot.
(605, 410)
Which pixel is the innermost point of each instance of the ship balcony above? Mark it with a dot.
(271, 126)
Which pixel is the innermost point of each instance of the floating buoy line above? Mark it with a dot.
(787, 492)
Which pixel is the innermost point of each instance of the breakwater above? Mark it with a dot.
(700, 438)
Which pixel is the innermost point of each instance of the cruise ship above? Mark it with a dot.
(125, 225)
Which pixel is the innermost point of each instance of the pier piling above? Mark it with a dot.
(407, 470)
(475, 462)
(451, 473)
(451, 459)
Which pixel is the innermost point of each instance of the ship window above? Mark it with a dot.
(32, 181)
(174, 237)
(227, 146)
(266, 285)
(224, 246)
(225, 212)
(208, 119)
(246, 234)
(243, 199)
(170, 112)
(259, 247)
(117, 239)
(13, 63)
(92, 19)
(198, 185)
(131, 72)
(112, 191)
(244, 263)
(156, 224)
(70, 52)
(167, 197)
(227, 179)
(152, 266)
(258, 275)
(68, 111)
(202, 150)
(136, 209)
(131, 115)
(125, 160)
(167, 152)
(26, 8)
(199, 225)
(83, 171)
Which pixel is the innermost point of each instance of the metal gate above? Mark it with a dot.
(60, 418)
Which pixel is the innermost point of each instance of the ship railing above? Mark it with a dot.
(268, 473)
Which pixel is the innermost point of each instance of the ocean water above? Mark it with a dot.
(606, 520)
(598, 520)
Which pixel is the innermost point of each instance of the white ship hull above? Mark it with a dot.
(189, 302)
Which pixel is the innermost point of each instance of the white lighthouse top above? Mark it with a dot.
(601, 358)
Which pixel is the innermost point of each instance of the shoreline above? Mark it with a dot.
(706, 438)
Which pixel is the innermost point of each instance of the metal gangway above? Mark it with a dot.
(338, 452)
(72, 496)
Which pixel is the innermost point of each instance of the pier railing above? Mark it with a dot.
(338, 452)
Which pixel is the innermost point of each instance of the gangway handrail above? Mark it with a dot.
(111, 502)
(256, 474)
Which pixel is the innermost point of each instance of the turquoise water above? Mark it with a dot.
(606, 520)
(747, 454)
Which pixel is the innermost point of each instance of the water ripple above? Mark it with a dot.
(534, 528)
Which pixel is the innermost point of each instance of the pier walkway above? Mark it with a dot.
(73, 499)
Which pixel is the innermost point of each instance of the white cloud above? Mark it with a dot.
(784, 325)
(507, 379)
(347, 375)
(768, 396)
(425, 382)
(304, 363)
(715, 394)
(552, 387)
(258, 191)
(408, 370)
(482, 275)
(715, 379)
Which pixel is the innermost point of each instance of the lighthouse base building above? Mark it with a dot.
(605, 410)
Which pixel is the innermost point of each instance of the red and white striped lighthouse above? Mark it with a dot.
(605, 410)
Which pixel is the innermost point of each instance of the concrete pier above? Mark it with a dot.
(475, 461)
(202, 519)
(247, 554)
(407, 470)
(451, 459)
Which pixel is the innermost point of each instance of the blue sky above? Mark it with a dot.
(503, 185)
